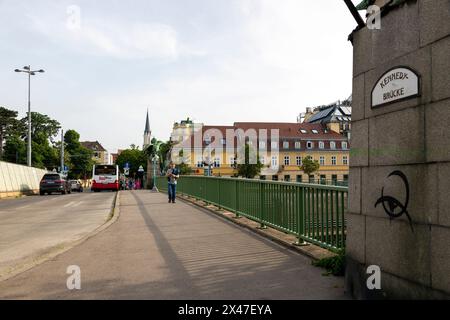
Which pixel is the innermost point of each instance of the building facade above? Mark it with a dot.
(281, 148)
(100, 155)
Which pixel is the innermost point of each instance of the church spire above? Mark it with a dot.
(147, 125)
(147, 133)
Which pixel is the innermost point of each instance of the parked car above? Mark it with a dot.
(54, 182)
(76, 185)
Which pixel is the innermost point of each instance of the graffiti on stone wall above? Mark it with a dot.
(393, 207)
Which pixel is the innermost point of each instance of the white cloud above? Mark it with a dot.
(118, 39)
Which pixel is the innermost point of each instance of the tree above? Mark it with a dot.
(309, 166)
(8, 124)
(249, 170)
(15, 150)
(80, 158)
(135, 158)
(41, 123)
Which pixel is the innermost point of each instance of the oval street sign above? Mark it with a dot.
(397, 84)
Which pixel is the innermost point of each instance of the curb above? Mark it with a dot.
(319, 253)
(52, 252)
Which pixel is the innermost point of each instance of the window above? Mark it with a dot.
(287, 160)
(346, 177)
(333, 160)
(262, 144)
(303, 131)
(274, 145)
(299, 178)
(345, 160)
(286, 144)
(223, 141)
(287, 178)
(315, 131)
(232, 161)
(262, 177)
(309, 145)
(321, 145)
(311, 178)
(322, 160)
(262, 160)
(323, 179)
(334, 179)
(344, 145)
(298, 159)
(216, 162)
(332, 145)
(207, 140)
(274, 161)
(199, 164)
(275, 178)
(298, 145)
(310, 157)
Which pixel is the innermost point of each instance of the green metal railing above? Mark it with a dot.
(314, 213)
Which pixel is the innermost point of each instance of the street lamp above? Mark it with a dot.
(155, 188)
(27, 69)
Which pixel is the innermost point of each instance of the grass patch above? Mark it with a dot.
(334, 265)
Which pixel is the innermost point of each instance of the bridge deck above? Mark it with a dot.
(158, 250)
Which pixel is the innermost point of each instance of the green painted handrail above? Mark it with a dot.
(312, 212)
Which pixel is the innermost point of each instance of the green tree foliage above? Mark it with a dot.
(79, 158)
(8, 126)
(247, 169)
(15, 150)
(44, 151)
(135, 158)
(309, 166)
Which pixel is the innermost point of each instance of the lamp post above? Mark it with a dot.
(27, 69)
(155, 189)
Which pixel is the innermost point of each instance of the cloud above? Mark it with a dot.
(101, 37)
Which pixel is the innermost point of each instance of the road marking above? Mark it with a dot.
(69, 204)
(24, 207)
(77, 204)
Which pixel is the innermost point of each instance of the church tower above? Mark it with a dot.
(147, 133)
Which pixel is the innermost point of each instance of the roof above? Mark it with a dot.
(93, 145)
(147, 124)
(333, 113)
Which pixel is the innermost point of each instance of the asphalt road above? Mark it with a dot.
(157, 250)
(31, 226)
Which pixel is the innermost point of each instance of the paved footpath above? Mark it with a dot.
(158, 250)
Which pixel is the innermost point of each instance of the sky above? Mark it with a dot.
(214, 61)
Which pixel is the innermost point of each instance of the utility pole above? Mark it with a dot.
(62, 150)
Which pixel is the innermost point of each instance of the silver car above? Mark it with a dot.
(75, 185)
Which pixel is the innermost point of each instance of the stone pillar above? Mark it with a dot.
(409, 138)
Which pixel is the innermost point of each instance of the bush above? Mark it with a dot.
(334, 265)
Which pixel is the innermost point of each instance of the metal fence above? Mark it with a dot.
(314, 213)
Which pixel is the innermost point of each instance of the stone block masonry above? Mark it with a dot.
(399, 216)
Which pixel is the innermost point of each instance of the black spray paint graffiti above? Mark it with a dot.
(390, 204)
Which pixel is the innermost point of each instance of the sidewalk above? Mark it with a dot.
(158, 250)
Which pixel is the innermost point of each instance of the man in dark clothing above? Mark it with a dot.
(172, 176)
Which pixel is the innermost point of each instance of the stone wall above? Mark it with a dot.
(412, 136)
(16, 179)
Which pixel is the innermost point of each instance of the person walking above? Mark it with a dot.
(172, 176)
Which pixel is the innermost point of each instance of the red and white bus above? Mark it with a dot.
(105, 177)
